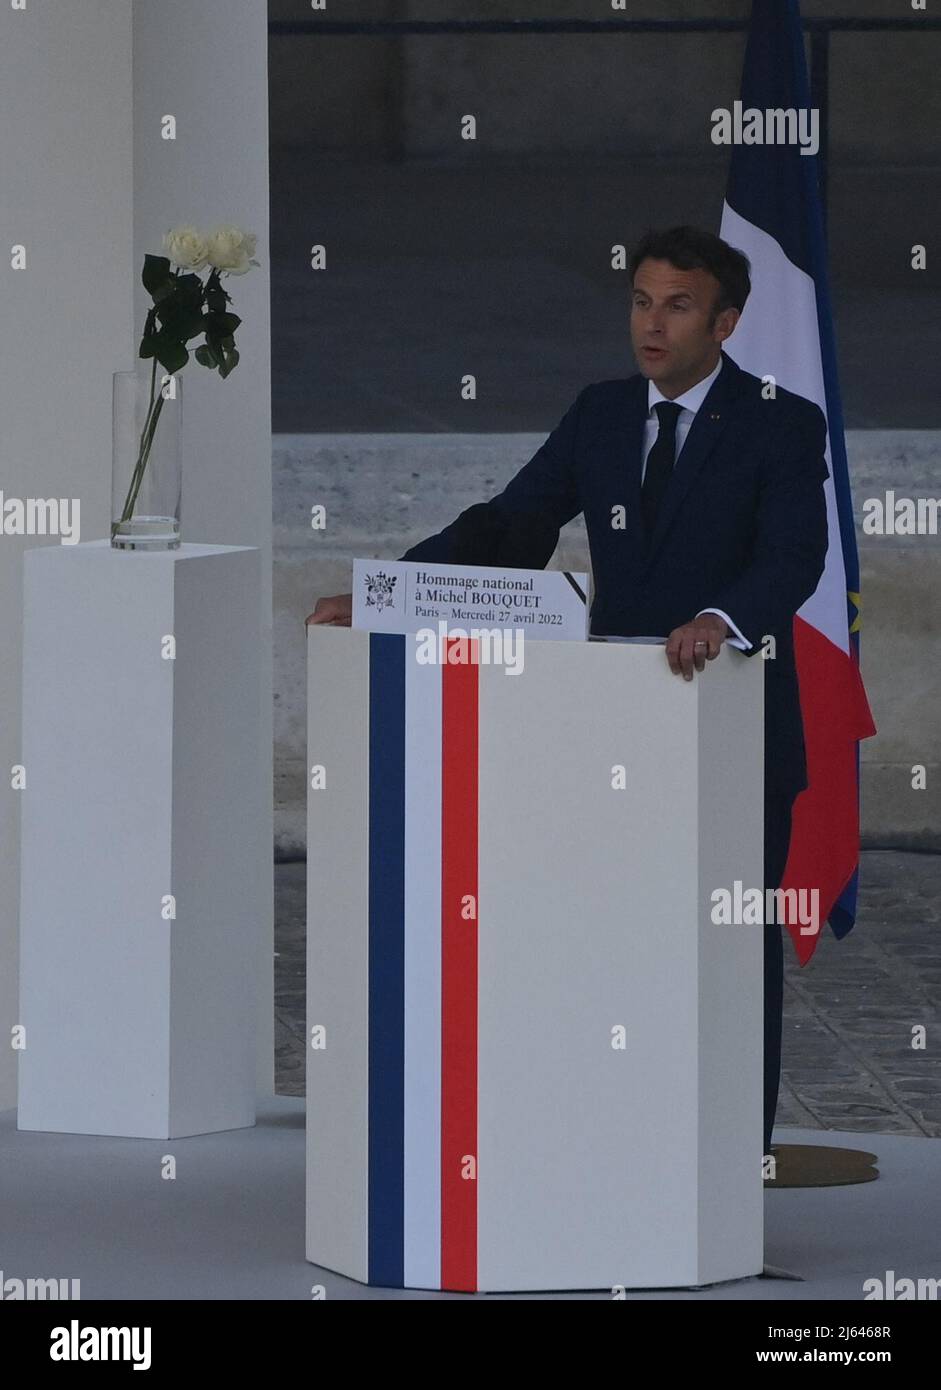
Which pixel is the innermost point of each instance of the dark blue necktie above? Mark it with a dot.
(660, 462)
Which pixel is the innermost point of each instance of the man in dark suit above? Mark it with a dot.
(702, 488)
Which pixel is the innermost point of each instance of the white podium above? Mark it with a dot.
(143, 785)
(534, 1061)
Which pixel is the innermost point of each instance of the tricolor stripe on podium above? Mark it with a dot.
(423, 760)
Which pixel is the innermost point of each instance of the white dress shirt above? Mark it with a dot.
(690, 401)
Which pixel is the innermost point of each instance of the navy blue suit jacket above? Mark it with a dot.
(742, 526)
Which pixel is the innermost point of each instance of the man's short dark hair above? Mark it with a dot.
(690, 248)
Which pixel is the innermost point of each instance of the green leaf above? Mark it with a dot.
(188, 290)
(222, 325)
(182, 320)
(170, 352)
(207, 355)
(156, 277)
(190, 284)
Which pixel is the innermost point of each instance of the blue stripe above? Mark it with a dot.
(766, 182)
(386, 959)
(843, 916)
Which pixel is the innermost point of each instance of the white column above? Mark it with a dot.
(66, 123)
(89, 186)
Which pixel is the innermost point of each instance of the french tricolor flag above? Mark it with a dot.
(772, 212)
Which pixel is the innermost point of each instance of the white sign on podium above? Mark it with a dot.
(410, 595)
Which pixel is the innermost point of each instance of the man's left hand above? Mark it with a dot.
(689, 647)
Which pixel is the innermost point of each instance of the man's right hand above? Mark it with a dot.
(336, 611)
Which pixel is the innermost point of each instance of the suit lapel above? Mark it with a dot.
(712, 418)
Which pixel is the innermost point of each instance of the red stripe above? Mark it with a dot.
(824, 849)
(459, 695)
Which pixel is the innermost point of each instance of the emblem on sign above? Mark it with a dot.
(379, 589)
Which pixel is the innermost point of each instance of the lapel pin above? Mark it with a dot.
(713, 416)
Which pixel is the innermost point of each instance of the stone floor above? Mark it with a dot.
(849, 1016)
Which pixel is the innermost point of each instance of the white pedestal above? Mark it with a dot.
(473, 1119)
(143, 781)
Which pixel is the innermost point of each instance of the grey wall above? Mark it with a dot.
(592, 94)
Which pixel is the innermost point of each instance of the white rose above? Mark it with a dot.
(231, 249)
(186, 247)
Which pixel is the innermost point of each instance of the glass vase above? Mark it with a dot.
(147, 459)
